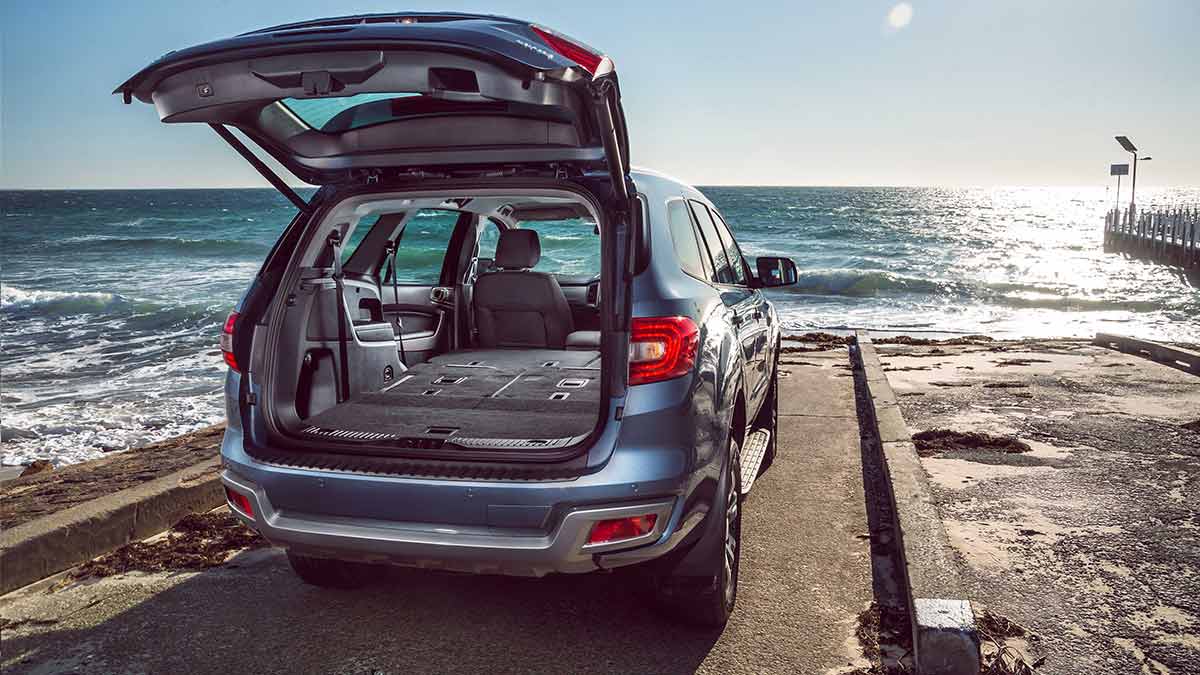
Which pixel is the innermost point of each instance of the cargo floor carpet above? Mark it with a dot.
(479, 394)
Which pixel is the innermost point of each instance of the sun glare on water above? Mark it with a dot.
(900, 16)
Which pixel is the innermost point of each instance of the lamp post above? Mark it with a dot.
(1131, 149)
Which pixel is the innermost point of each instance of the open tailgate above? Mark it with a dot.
(336, 99)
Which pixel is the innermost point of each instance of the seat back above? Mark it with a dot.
(515, 307)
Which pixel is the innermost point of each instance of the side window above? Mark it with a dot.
(736, 262)
(569, 246)
(687, 249)
(423, 245)
(712, 240)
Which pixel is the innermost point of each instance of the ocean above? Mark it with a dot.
(111, 301)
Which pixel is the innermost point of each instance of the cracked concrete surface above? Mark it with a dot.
(1092, 539)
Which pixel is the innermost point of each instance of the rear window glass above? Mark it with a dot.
(712, 240)
(423, 244)
(344, 112)
(683, 233)
(738, 265)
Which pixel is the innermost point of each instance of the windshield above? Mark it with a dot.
(570, 246)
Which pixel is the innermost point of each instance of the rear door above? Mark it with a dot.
(743, 302)
(754, 329)
(406, 258)
(337, 99)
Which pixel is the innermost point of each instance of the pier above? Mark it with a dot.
(1170, 236)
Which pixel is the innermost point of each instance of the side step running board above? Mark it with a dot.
(753, 453)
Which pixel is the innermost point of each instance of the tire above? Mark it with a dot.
(709, 600)
(328, 573)
(768, 418)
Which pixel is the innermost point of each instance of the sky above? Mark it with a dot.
(779, 92)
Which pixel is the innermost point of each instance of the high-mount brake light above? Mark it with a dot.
(227, 342)
(619, 529)
(662, 348)
(574, 51)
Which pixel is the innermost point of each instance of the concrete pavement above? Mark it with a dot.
(806, 575)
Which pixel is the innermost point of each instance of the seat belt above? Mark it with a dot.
(390, 249)
(335, 248)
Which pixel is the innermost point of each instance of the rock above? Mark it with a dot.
(9, 433)
(38, 466)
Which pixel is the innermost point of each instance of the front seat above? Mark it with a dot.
(515, 307)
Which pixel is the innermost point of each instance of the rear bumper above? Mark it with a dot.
(481, 550)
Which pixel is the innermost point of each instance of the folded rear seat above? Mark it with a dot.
(584, 339)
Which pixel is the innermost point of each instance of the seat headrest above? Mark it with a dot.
(518, 249)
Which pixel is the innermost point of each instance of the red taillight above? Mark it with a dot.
(662, 348)
(240, 502)
(227, 341)
(608, 531)
(571, 50)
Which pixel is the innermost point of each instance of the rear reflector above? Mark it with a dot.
(227, 341)
(619, 529)
(662, 348)
(570, 49)
(240, 502)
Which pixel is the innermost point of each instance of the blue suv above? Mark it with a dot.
(485, 343)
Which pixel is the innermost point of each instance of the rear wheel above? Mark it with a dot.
(328, 573)
(709, 600)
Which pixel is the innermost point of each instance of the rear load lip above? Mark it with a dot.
(473, 549)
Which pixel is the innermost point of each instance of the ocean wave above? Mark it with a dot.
(866, 283)
(181, 245)
(1066, 303)
(14, 299)
(104, 310)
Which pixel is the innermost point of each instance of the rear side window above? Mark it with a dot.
(736, 264)
(422, 249)
(683, 233)
(712, 241)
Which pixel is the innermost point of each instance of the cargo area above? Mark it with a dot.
(433, 321)
(546, 397)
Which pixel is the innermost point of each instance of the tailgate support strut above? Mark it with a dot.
(272, 177)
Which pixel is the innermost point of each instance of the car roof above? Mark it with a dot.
(650, 180)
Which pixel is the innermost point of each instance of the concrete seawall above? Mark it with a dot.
(944, 636)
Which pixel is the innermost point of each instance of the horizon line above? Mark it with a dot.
(699, 185)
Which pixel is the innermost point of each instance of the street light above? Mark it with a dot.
(1132, 149)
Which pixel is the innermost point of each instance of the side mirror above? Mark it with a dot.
(774, 272)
